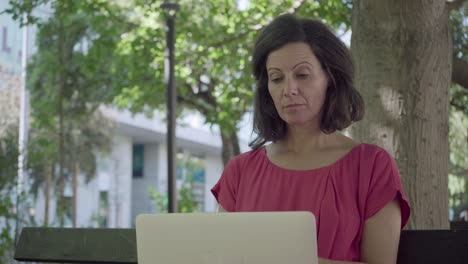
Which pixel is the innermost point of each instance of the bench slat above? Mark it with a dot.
(433, 246)
(87, 245)
(77, 245)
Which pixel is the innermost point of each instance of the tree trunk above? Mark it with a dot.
(230, 145)
(47, 192)
(76, 172)
(403, 55)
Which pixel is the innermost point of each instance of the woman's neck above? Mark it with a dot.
(302, 140)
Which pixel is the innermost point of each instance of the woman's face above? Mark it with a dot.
(297, 83)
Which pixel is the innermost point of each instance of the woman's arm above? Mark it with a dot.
(380, 237)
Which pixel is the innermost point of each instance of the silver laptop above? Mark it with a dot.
(227, 238)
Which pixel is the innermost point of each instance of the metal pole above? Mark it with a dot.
(171, 108)
(23, 130)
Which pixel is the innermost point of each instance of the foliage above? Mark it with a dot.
(69, 77)
(8, 172)
(186, 199)
(459, 23)
(188, 171)
(458, 140)
(212, 52)
(160, 200)
(82, 145)
(458, 118)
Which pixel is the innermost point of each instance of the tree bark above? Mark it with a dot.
(403, 55)
(460, 72)
(230, 146)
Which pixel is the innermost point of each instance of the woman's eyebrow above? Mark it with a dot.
(295, 66)
(301, 63)
(273, 68)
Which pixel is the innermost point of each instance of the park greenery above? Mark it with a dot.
(8, 172)
(189, 171)
(95, 52)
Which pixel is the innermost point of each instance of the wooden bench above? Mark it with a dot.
(458, 225)
(85, 245)
(77, 245)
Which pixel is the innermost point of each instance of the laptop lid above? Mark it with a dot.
(227, 238)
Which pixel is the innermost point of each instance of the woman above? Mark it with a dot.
(304, 96)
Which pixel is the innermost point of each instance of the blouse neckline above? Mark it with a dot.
(335, 163)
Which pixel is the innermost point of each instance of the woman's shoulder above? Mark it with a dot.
(373, 160)
(346, 148)
(372, 151)
(365, 155)
(248, 157)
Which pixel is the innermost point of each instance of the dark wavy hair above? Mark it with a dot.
(343, 104)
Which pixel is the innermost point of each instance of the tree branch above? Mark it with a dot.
(199, 101)
(192, 104)
(460, 72)
(207, 97)
(455, 4)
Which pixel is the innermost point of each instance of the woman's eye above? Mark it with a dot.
(276, 79)
(302, 75)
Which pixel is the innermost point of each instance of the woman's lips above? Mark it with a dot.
(292, 106)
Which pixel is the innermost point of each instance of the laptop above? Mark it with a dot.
(227, 238)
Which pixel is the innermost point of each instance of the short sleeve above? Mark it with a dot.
(225, 190)
(384, 185)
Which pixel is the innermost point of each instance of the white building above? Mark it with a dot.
(137, 159)
(120, 190)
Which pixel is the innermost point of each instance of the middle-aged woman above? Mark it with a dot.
(304, 97)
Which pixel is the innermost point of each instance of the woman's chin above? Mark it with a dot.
(300, 123)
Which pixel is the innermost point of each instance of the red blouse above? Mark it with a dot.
(341, 196)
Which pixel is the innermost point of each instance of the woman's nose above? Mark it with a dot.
(290, 88)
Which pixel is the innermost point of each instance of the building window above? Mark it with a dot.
(138, 160)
